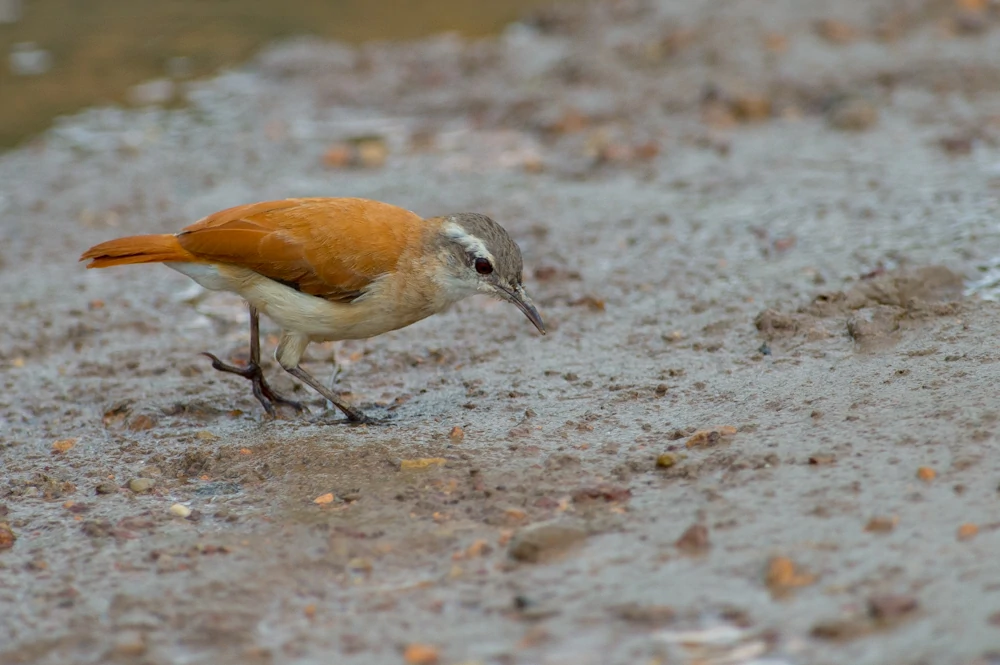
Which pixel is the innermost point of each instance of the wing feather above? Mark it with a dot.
(333, 248)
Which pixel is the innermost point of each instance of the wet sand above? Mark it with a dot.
(733, 219)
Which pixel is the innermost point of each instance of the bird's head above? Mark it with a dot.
(478, 256)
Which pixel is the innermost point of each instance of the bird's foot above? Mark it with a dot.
(352, 419)
(355, 417)
(267, 397)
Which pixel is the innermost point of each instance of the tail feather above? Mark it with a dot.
(137, 249)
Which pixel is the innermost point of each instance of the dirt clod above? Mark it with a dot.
(63, 445)
(841, 629)
(544, 542)
(881, 524)
(854, 115)
(872, 325)
(711, 436)
(7, 536)
(106, 487)
(423, 463)
(888, 608)
(783, 575)
(605, 492)
(694, 540)
(649, 615)
(836, 32)
(141, 422)
(97, 528)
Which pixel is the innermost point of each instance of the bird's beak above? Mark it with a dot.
(523, 302)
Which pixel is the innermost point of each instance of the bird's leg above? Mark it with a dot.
(353, 415)
(263, 392)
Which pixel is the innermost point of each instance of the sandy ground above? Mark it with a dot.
(731, 216)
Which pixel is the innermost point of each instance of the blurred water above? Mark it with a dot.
(57, 56)
(10, 11)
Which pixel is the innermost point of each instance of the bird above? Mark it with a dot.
(329, 269)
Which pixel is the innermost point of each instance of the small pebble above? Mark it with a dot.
(130, 643)
(665, 460)
(926, 473)
(180, 510)
(421, 654)
(967, 531)
(141, 485)
(360, 565)
(63, 445)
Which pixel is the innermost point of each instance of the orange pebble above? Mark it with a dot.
(967, 531)
(63, 445)
(421, 654)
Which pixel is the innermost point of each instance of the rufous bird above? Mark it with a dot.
(328, 269)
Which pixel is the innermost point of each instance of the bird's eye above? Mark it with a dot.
(483, 266)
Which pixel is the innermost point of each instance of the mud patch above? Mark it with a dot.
(874, 311)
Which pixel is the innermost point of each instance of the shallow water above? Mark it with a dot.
(61, 56)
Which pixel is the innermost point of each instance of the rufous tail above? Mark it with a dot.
(137, 249)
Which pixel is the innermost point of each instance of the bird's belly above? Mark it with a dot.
(297, 312)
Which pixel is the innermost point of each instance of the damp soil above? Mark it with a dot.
(763, 423)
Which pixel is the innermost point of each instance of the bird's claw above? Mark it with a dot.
(267, 397)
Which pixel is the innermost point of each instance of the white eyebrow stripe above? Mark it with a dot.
(471, 243)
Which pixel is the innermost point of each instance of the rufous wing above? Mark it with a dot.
(332, 248)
